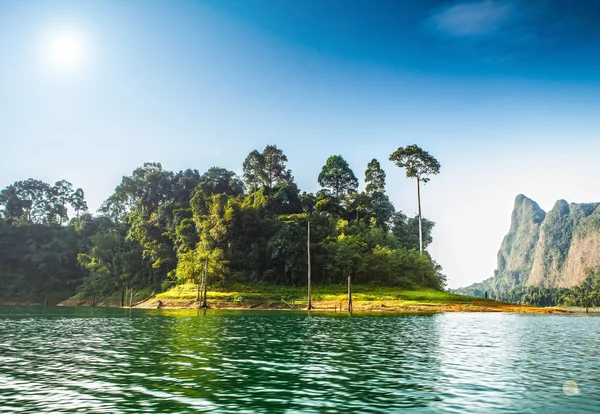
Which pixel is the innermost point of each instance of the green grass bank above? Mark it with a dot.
(332, 298)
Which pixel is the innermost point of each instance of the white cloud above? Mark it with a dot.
(473, 18)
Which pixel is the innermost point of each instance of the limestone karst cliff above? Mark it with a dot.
(517, 251)
(555, 250)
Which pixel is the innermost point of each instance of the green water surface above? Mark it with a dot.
(83, 360)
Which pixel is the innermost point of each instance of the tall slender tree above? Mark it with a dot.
(418, 164)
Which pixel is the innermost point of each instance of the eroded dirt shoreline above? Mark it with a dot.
(359, 306)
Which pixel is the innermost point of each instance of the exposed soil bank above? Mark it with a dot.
(331, 298)
(358, 306)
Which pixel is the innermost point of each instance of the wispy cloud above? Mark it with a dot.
(474, 18)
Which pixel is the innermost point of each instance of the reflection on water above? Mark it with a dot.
(113, 361)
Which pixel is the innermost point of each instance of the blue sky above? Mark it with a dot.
(505, 94)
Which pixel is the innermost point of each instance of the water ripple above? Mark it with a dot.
(116, 361)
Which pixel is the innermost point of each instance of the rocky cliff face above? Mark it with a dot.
(551, 250)
(515, 258)
(568, 245)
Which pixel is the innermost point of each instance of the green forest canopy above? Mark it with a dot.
(159, 227)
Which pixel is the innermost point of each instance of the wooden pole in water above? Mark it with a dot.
(349, 296)
(309, 307)
(204, 304)
(198, 285)
(204, 285)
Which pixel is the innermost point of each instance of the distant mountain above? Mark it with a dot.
(553, 250)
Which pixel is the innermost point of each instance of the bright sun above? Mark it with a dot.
(65, 50)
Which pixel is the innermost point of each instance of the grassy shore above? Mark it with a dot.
(111, 301)
(334, 298)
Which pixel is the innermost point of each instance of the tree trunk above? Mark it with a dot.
(198, 296)
(122, 296)
(349, 295)
(420, 224)
(131, 298)
(204, 304)
(203, 287)
(154, 280)
(309, 306)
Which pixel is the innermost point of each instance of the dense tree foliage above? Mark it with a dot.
(374, 178)
(38, 261)
(336, 176)
(160, 227)
(266, 169)
(35, 202)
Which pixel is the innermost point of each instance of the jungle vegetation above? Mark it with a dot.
(159, 228)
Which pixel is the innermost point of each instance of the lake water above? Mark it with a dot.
(86, 360)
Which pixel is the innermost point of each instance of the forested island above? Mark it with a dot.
(160, 228)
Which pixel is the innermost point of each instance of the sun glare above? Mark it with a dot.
(65, 50)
